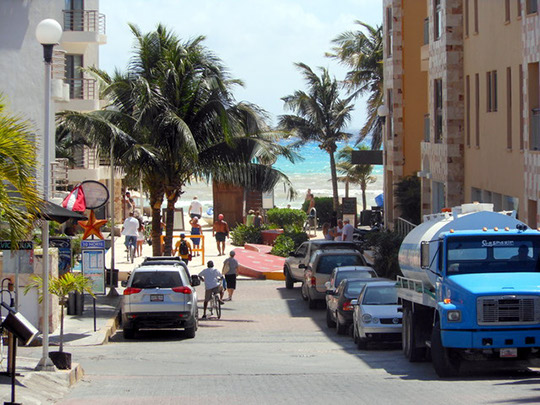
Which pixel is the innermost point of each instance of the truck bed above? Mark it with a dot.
(415, 291)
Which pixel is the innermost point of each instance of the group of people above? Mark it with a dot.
(342, 231)
(254, 218)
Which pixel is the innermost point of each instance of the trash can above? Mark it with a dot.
(75, 305)
(114, 281)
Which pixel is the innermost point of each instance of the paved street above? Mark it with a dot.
(269, 348)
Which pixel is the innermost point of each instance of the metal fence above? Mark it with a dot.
(403, 227)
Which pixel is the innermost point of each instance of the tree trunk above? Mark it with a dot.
(334, 180)
(169, 227)
(156, 198)
(364, 201)
(61, 328)
(346, 188)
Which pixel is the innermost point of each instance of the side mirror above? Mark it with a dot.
(195, 280)
(354, 303)
(123, 283)
(424, 255)
(327, 284)
(302, 266)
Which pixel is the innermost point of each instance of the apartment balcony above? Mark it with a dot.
(82, 27)
(83, 94)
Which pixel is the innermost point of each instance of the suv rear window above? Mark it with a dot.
(328, 263)
(342, 275)
(155, 279)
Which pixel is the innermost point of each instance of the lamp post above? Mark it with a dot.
(383, 112)
(48, 33)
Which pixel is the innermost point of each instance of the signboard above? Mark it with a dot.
(64, 253)
(268, 200)
(348, 205)
(93, 244)
(367, 157)
(178, 224)
(19, 261)
(93, 267)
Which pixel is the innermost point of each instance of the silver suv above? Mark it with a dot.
(320, 267)
(160, 297)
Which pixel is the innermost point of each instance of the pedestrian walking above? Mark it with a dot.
(338, 230)
(230, 271)
(347, 231)
(129, 230)
(129, 205)
(140, 233)
(196, 229)
(221, 232)
(183, 247)
(258, 220)
(250, 217)
(195, 208)
(212, 284)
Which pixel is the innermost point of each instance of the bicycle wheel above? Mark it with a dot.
(131, 252)
(218, 306)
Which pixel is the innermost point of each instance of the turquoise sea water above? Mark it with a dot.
(313, 172)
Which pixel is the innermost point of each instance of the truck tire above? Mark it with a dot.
(329, 321)
(408, 338)
(289, 282)
(444, 362)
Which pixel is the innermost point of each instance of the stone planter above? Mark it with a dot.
(61, 360)
(270, 235)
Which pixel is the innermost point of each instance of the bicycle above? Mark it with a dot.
(215, 305)
(130, 251)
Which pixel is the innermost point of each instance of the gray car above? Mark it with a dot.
(158, 297)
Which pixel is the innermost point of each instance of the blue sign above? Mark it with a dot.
(93, 244)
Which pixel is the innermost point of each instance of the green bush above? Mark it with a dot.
(283, 245)
(324, 207)
(286, 218)
(385, 246)
(243, 234)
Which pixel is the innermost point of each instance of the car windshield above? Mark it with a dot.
(330, 262)
(354, 287)
(503, 254)
(386, 295)
(156, 279)
(342, 275)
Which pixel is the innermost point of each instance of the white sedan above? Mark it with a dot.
(376, 316)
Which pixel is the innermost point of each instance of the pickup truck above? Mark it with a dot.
(291, 270)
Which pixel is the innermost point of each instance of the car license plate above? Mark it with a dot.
(156, 297)
(509, 352)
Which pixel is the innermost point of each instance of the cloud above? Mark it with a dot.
(258, 40)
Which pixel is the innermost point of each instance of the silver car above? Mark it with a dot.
(376, 315)
(160, 297)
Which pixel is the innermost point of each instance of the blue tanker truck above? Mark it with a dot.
(470, 288)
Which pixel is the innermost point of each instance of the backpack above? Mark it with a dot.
(184, 250)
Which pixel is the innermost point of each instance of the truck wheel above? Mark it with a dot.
(408, 338)
(289, 282)
(329, 321)
(445, 363)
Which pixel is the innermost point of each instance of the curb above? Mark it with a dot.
(112, 325)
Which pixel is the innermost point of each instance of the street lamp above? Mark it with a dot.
(383, 112)
(48, 33)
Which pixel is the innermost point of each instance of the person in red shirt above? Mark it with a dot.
(221, 232)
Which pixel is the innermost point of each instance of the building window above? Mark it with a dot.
(518, 8)
(389, 31)
(437, 21)
(521, 106)
(476, 16)
(491, 89)
(533, 93)
(74, 15)
(477, 109)
(532, 6)
(437, 202)
(468, 109)
(74, 76)
(438, 113)
(509, 108)
(506, 10)
(466, 14)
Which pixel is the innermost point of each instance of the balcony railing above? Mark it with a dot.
(82, 89)
(84, 20)
(59, 177)
(535, 129)
(58, 64)
(403, 227)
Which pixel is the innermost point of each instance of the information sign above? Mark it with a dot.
(93, 267)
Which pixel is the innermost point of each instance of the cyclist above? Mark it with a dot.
(212, 283)
(130, 231)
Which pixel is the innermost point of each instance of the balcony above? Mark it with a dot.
(83, 94)
(84, 26)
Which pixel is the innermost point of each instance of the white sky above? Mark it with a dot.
(258, 40)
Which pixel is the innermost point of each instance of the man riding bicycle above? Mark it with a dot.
(212, 283)
(130, 231)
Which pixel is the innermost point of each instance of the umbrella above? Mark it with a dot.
(54, 212)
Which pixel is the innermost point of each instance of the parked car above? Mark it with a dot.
(339, 310)
(376, 315)
(291, 268)
(159, 297)
(318, 271)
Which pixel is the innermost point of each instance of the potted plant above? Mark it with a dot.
(61, 287)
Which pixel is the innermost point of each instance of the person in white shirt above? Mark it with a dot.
(195, 208)
(212, 284)
(347, 231)
(130, 230)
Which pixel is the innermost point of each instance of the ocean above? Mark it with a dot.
(313, 172)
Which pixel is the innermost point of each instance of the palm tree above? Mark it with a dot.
(320, 116)
(176, 121)
(19, 199)
(354, 173)
(362, 53)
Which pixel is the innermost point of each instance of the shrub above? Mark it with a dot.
(408, 198)
(285, 218)
(324, 207)
(283, 245)
(385, 246)
(243, 234)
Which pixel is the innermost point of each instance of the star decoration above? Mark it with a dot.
(92, 226)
